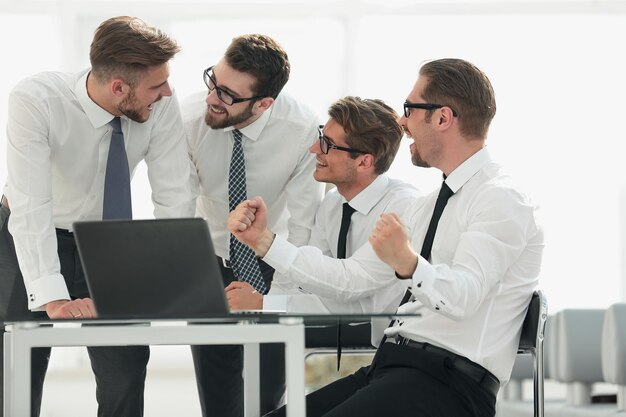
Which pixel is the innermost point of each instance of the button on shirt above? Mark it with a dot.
(58, 141)
(383, 195)
(279, 167)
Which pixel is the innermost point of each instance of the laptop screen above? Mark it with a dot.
(163, 268)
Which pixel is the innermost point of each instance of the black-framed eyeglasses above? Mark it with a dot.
(226, 97)
(425, 106)
(326, 145)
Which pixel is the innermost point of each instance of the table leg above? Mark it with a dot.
(251, 380)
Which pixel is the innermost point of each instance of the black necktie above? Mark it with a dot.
(341, 254)
(343, 230)
(442, 199)
(117, 202)
(242, 259)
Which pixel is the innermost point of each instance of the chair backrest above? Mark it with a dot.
(533, 328)
(531, 341)
(576, 354)
(614, 351)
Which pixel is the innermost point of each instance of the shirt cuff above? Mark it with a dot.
(281, 254)
(46, 289)
(275, 302)
(424, 276)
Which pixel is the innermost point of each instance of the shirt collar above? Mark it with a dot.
(467, 169)
(254, 129)
(96, 114)
(365, 201)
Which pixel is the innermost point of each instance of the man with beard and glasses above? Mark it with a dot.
(246, 138)
(74, 141)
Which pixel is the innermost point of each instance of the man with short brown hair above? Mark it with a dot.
(74, 141)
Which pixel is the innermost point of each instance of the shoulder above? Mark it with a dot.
(402, 194)
(193, 107)
(46, 86)
(192, 110)
(288, 110)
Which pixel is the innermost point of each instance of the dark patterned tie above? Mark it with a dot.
(117, 202)
(242, 258)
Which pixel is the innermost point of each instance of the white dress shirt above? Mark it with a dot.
(382, 195)
(485, 263)
(279, 167)
(58, 142)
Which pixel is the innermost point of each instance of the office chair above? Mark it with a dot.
(531, 341)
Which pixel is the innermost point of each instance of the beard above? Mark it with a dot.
(129, 108)
(417, 160)
(229, 120)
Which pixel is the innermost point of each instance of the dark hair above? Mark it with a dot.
(462, 86)
(264, 59)
(371, 126)
(125, 46)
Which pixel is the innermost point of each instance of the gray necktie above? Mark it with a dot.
(117, 203)
(242, 258)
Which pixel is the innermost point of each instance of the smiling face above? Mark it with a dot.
(426, 149)
(137, 104)
(337, 166)
(237, 84)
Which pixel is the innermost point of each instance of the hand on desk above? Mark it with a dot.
(248, 223)
(243, 296)
(391, 243)
(81, 308)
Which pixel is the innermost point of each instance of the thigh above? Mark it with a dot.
(71, 266)
(13, 298)
(118, 364)
(400, 392)
(325, 399)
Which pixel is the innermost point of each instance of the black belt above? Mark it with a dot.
(472, 370)
(225, 262)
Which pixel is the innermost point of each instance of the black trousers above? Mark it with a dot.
(402, 381)
(120, 371)
(219, 370)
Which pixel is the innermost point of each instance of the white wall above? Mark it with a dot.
(557, 69)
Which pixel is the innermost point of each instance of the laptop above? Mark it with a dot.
(155, 269)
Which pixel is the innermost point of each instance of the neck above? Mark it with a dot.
(354, 188)
(98, 94)
(459, 154)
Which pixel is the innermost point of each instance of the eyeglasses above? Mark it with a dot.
(226, 98)
(326, 145)
(425, 106)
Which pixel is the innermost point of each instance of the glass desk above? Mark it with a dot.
(247, 329)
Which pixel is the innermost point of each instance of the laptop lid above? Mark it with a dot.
(163, 268)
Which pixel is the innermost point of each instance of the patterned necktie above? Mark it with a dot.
(117, 202)
(242, 258)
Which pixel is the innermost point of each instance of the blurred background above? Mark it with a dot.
(557, 68)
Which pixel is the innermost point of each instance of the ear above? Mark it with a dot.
(446, 118)
(118, 88)
(367, 161)
(264, 103)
